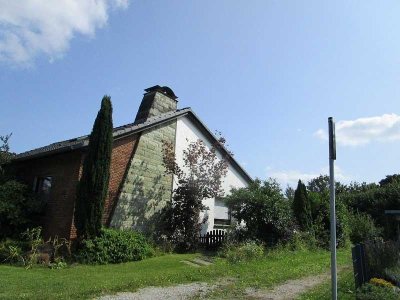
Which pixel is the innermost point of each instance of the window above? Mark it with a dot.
(42, 186)
(222, 216)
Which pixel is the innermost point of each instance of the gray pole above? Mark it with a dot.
(332, 157)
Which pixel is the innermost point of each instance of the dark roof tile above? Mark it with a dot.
(121, 131)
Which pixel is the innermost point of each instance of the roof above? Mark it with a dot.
(125, 130)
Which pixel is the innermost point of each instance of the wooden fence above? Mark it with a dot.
(360, 266)
(371, 258)
(213, 239)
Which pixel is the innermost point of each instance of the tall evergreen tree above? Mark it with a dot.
(301, 206)
(93, 186)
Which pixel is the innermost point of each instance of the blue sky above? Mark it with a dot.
(267, 74)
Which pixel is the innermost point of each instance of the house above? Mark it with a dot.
(138, 184)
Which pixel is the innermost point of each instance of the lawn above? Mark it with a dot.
(83, 282)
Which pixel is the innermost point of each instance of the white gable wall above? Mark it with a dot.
(186, 133)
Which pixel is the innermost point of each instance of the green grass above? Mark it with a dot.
(346, 288)
(83, 282)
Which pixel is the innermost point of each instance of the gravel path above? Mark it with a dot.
(289, 290)
(181, 291)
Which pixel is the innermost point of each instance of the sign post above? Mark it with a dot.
(332, 158)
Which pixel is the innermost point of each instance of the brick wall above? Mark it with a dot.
(65, 170)
(121, 155)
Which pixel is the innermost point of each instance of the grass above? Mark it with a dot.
(346, 288)
(83, 282)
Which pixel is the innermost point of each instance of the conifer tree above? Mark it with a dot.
(301, 206)
(93, 185)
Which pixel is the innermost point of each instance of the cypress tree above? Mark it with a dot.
(93, 185)
(301, 206)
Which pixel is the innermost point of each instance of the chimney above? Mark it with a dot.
(156, 101)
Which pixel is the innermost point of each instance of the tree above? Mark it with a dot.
(5, 156)
(319, 185)
(263, 209)
(289, 193)
(199, 178)
(93, 185)
(389, 179)
(301, 207)
(19, 207)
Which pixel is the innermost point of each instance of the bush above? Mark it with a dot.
(374, 202)
(381, 256)
(393, 274)
(19, 209)
(11, 251)
(362, 228)
(236, 253)
(302, 241)
(115, 246)
(372, 292)
(380, 282)
(263, 209)
(321, 221)
(31, 250)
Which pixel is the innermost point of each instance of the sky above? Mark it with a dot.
(267, 74)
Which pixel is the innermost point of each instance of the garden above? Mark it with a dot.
(277, 235)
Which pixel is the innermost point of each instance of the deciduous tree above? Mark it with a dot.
(199, 177)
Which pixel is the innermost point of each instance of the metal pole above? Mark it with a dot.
(332, 157)
(333, 228)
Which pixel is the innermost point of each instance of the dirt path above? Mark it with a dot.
(290, 289)
(181, 291)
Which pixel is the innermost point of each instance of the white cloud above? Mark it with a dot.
(320, 133)
(385, 128)
(33, 27)
(291, 177)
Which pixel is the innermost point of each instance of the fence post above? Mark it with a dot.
(359, 265)
(364, 249)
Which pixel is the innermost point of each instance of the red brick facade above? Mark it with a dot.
(65, 170)
(121, 155)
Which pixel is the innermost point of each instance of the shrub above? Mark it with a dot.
(236, 253)
(372, 292)
(31, 250)
(393, 274)
(321, 221)
(380, 282)
(11, 251)
(362, 228)
(264, 210)
(302, 241)
(374, 202)
(19, 208)
(381, 255)
(115, 246)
